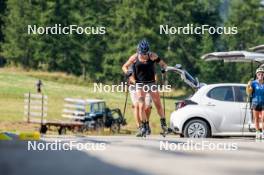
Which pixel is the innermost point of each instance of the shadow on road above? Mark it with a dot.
(16, 159)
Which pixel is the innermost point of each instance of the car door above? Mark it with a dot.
(223, 109)
(246, 114)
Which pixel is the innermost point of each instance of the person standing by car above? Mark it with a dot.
(144, 78)
(256, 90)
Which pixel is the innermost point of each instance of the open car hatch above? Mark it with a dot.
(259, 49)
(185, 76)
(234, 56)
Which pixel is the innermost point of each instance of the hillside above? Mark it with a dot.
(15, 82)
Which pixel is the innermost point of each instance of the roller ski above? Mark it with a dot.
(259, 135)
(165, 129)
(142, 131)
(148, 129)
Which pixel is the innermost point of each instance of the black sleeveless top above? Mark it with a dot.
(144, 72)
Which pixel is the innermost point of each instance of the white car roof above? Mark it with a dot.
(226, 84)
(210, 86)
(204, 89)
(234, 56)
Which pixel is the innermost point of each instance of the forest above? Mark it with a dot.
(99, 57)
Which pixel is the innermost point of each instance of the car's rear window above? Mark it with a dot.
(223, 93)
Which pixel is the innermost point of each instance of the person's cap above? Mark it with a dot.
(260, 70)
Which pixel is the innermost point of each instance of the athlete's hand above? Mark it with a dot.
(132, 80)
(249, 88)
(128, 74)
(249, 84)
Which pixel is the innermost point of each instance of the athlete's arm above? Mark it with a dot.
(163, 64)
(249, 88)
(125, 67)
(158, 60)
(129, 62)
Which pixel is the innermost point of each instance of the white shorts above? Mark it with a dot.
(134, 98)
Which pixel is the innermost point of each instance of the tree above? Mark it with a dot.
(248, 17)
(2, 13)
(100, 57)
(19, 47)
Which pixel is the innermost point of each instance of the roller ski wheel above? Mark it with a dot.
(148, 130)
(258, 136)
(165, 131)
(163, 134)
(141, 133)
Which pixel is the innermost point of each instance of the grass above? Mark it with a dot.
(15, 82)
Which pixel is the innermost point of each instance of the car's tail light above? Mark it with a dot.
(181, 104)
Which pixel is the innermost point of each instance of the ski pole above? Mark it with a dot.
(245, 117)
(163, 93)
(124, 110)
(249, 98)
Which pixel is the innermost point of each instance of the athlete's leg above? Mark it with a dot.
(134, 99)
(136, 114)
(256, 115)
(141, 110)
(156, 99)
(148, 105)
(141, 104)
(262, 120)
(148, 112)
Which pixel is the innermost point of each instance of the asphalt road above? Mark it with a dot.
(106, 155)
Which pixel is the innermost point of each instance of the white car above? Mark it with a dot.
(214, 110)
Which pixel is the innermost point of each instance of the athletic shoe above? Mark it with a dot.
(164, 127)
(148, 130)
(258, 135)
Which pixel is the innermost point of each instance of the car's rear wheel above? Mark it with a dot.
(196, 128)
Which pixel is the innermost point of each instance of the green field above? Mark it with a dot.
(15, 82)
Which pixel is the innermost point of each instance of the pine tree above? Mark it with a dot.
(2, 13)
(248, 17)
(19, 47)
